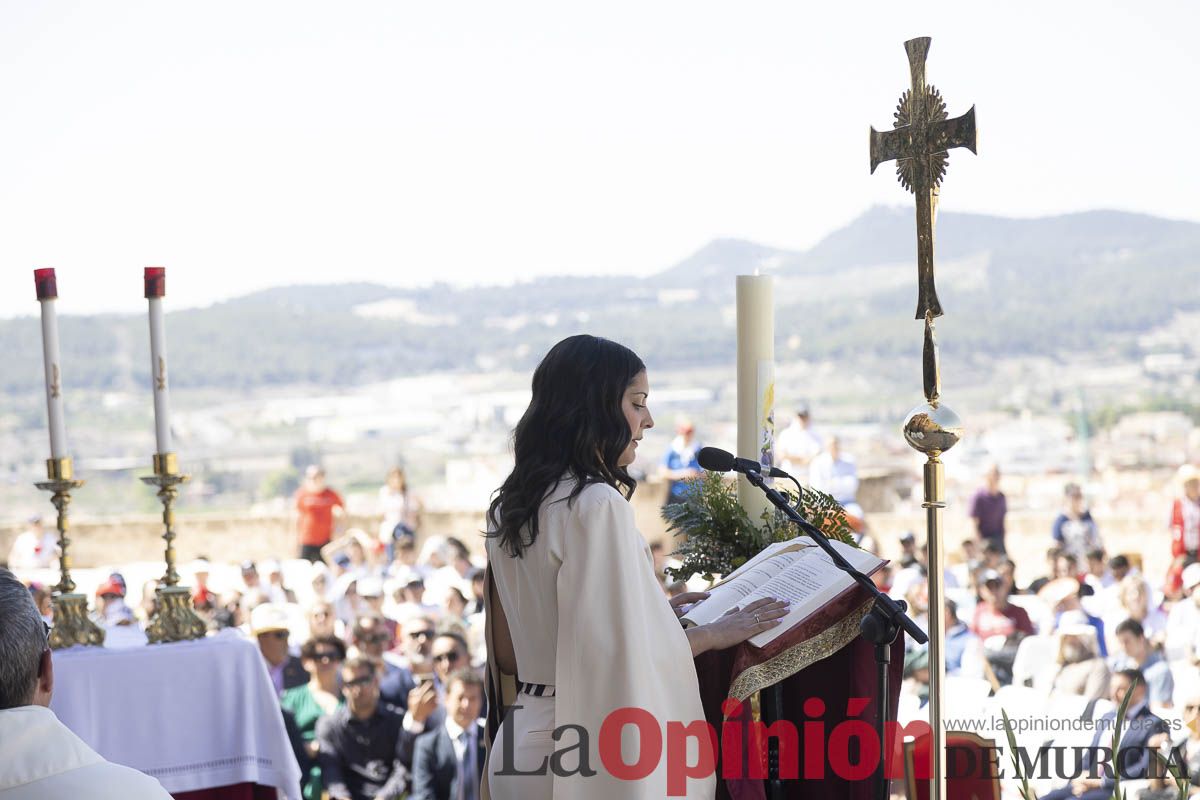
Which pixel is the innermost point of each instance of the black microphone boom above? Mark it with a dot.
(715, 459)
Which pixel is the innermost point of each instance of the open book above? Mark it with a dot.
(796, 570)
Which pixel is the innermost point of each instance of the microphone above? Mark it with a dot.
(715, 459)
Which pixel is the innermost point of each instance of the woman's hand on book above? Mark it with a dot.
(682, 603)
(739, 624)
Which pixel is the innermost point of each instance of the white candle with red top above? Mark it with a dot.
(156, 289)
(47, 295)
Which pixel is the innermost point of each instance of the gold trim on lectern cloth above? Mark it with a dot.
(799, 656)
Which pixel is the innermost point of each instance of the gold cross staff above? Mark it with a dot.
(918, 143)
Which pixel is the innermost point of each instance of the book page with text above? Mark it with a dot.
(727, 595)
(809, 586)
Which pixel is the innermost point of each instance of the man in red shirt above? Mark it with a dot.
(994, 615)
(316, 505)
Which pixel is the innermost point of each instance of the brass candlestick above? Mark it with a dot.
(71, 623)
(174, 619)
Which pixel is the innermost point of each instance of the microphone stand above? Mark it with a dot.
(880, 626)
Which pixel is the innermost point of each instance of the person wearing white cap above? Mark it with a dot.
(1081, 670)
(1185, 528)
(269, 625)
(1061, 596)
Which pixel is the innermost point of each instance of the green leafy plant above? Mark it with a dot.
(1026, 790)
(718, 535)
(1118, 792)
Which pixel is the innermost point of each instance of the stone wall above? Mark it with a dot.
(232, 538)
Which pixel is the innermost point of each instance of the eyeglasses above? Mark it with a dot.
(358, 682)
(420, 634)
(449, 658)
(327, 656)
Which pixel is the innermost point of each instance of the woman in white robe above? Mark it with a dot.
(574, 610)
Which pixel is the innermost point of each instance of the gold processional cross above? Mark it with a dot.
(918, 143)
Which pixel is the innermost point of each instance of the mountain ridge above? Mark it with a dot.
(1084, 282)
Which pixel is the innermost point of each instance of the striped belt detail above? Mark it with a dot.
(536, 689)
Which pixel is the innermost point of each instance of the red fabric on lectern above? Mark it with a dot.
(236, 791)
(971, 767)
(847, 674)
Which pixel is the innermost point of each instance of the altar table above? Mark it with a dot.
(199, 716)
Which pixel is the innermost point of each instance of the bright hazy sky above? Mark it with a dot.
(252, 144)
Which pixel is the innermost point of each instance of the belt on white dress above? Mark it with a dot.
(536, 689)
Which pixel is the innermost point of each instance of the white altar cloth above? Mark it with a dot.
(194, 715)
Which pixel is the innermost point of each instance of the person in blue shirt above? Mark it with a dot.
(679, 463)
(1074, 529)
(964, 650)
(1140, 654)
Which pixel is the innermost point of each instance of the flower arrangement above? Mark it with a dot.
(720, 536)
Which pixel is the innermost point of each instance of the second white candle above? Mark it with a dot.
(155, 279)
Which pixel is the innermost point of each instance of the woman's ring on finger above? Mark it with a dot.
(756, 619)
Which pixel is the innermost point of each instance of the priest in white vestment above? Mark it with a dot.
(40, 758)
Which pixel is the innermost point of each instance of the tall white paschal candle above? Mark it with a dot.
(47, 295)
(756, 382)
(156, 290)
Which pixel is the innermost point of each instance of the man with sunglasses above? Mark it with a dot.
(42, 759)
(409, 686)
(371, 638)
(449, 653)
(359, 744)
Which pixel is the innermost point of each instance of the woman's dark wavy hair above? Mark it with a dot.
(574, 426)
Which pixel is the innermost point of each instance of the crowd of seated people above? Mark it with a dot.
(376, 647)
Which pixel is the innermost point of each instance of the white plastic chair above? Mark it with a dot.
(1019, 701)
(1103, 706)
(1024, 706)
(966, 695)
(1034, 654)
(908, 709)
(1067, 706)
(1041, 616)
